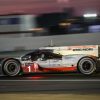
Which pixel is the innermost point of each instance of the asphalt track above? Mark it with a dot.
(71, 83)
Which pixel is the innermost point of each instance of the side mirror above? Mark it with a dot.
(43, 59)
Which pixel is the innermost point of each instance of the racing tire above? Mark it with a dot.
(11, 67)
(87, 66)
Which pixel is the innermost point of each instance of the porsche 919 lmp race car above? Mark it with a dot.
(51, 59)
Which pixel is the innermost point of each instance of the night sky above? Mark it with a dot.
(46, 6)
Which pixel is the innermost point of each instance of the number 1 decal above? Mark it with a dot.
(29, 68)
(33, 68)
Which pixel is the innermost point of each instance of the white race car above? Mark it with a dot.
(36, 61)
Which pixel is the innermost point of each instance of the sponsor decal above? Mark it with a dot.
(83, 49)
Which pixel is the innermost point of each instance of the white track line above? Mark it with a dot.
(76, 80)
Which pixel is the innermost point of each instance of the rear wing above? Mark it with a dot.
(93, 50)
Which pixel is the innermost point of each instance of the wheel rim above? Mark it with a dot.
(87, 66)
(11, 67)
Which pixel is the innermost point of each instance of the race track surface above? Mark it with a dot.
(70, 82)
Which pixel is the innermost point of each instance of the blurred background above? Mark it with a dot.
(29, 24)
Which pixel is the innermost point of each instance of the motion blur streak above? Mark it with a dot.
(35, 77)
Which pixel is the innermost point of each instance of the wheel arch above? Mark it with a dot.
(6, 59)
(94, 58)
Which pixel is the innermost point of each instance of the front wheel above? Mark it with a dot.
(87, 66)
(11, 67)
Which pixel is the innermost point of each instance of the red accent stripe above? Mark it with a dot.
(60, 69)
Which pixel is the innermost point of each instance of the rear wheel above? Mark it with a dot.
(87, 66)
(11, 67)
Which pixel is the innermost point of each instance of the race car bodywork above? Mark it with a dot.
(14, 63)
